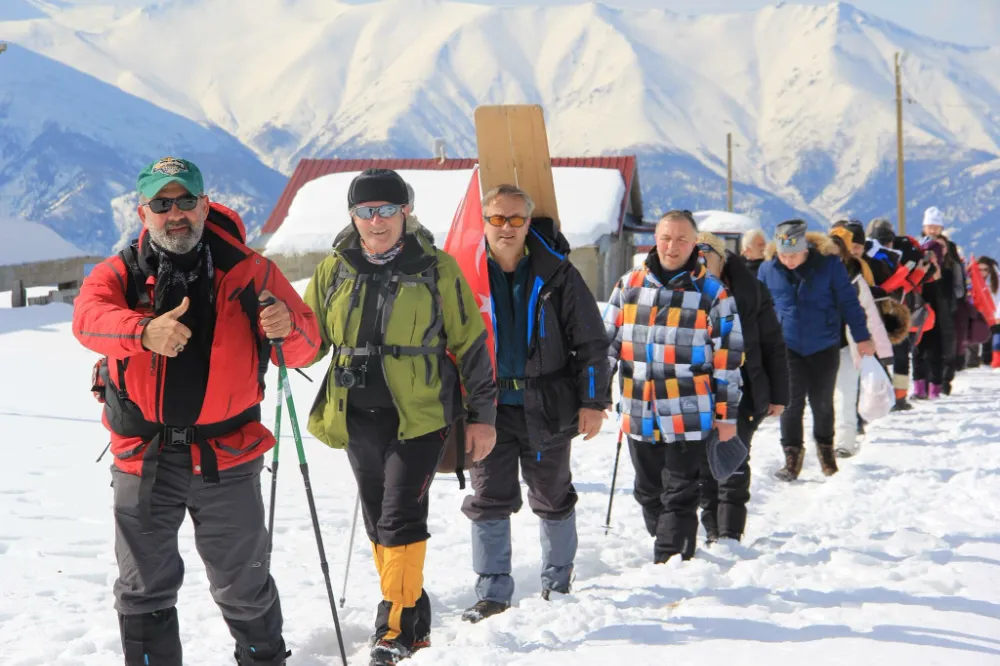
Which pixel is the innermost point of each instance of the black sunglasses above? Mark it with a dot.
(161, 205)
(368, 212)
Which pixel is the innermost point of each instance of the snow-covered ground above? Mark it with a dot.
(895, 560)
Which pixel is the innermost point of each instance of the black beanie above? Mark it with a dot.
(377, 185)
(856, 229)
(857, 232)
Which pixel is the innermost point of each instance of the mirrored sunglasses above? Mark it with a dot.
(368, 212)
(500, 220)
(161, 205)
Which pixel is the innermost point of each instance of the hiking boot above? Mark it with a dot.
(547, 592)
(902, 405)
(482, 610)
(388, 653)
(827, 459)
(421, 643)
(711, 536)
(794, 457)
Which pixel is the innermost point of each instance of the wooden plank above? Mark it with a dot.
(532, 161)
(513, 148)
(496, 161)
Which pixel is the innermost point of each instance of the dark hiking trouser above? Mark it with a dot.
(394, 479)
(497, 494)
(929, 360)
(724, 505)
(901, 368)
(231, 538)
(667, 487)
(815, 377)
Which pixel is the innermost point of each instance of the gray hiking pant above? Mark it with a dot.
(230, 535)
(497, 494)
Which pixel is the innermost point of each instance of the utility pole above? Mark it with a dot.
(900, 183)
(729, 172)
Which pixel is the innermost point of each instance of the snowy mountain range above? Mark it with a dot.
(91, 90)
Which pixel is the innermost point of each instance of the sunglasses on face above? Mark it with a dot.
(161, 205)
(500, 220)
(384, 211)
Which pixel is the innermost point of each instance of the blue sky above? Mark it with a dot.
(971, 22)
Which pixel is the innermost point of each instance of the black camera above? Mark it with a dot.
(349, 377)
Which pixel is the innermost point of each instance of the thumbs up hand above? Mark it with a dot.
(166, 335)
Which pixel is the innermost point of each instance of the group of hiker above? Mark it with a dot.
(703, 345)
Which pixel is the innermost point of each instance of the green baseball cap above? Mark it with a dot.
(168, 170)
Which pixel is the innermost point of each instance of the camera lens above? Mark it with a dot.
(347, 379)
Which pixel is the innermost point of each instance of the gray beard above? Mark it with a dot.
(174, 243)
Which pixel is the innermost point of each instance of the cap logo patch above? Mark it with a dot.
(169, 166)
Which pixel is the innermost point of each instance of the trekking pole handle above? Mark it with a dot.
(266, 303)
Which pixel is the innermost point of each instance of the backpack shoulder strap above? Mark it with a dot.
(135, 281)
(251, 306)
(135, 296)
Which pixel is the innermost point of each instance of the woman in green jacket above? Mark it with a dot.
(405, 335)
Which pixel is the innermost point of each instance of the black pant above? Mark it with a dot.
(551, 494)
(930, 359)
(724, 505)
(394, 479)
(667, 488)
(901, 358)
(815, 377)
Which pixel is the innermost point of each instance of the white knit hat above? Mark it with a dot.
(933, 217)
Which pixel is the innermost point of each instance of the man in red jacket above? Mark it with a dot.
(185, 341)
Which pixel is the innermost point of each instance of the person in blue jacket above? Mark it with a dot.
(813, 297)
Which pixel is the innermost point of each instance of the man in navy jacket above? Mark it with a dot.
(813, 296)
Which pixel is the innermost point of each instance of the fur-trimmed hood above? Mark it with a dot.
(896, 318)
(816, 240)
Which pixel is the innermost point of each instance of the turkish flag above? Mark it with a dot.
(981, 296)
(467, 244)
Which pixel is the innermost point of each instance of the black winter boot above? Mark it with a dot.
(151, 638)
(794, 457)
(262, 655)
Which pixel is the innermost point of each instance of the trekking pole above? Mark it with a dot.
(285, 389)
(350, 547)
(614, 478)
(103, 452)
(274, 480)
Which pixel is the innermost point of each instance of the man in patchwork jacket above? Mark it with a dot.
(677, 344)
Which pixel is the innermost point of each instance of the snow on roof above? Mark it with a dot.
(724, 222)
(589, 199)
(25, 242)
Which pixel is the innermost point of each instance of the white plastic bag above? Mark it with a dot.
(877, 395)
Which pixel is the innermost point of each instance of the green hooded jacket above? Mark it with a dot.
(425, 384)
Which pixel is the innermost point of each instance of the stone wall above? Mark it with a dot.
(41, 273)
